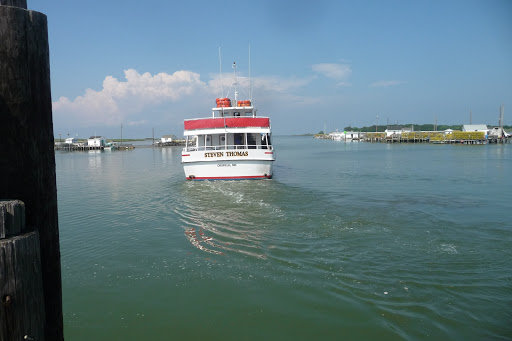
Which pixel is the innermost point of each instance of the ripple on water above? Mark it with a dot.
(338, 245)
(236, 219)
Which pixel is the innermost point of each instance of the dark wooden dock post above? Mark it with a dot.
(27, 159)
(21, 284)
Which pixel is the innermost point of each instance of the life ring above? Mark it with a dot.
(246, 103)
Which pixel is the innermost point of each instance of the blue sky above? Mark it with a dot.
(314, 64)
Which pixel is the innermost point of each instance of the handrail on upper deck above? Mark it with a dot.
(226, 147)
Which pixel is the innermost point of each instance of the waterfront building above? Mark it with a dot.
(168, 138)
(476, 127)
(397, 129)
(345, 135)
(97, 141)
(71, 140)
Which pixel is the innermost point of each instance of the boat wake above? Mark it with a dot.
(198, 239)
(237, 220)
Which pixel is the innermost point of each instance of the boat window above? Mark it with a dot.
(239, 139)
(207, 141)
(264, 141)
(251, 141)
(236, 113)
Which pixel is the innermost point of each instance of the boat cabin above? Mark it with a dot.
(225, 141)
(229, 128)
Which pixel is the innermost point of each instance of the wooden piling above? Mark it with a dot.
(14, 3)
(21, 285)
(27, 160)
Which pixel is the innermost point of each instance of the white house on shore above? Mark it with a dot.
(476, 127)
(71, 140)
(397, 129)
(168, 138)
(96, 141)
(345, 135)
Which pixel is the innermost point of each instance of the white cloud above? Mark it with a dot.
(142, 98)
(277, 84)
(137, 123)
(343, 84)
(338, 72)
(265, 83)
(382, 84)
(118, 100)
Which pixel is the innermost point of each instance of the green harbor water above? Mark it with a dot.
(349, 241)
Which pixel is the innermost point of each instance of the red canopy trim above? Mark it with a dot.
(228, 122)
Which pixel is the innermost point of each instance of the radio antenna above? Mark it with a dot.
(234, 81)
(220, 68)
(250, 80)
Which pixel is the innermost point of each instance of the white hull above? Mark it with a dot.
(228, 164)
(228, 170)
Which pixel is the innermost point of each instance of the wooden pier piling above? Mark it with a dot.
(21, 284)
(27, 173)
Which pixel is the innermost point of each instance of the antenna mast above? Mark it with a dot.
(250, 80)
(220, 68)
(499, 119)
(234, 76)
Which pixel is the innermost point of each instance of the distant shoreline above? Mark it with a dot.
(113, 140)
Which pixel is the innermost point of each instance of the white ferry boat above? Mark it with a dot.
(234, 143)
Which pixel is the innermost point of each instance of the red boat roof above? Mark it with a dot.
(227, 122)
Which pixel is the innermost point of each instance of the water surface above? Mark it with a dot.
(348, 241)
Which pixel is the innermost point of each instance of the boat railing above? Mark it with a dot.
(225, 147)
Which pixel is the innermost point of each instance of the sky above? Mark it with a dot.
(314, 65)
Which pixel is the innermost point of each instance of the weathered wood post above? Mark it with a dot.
(27, 159)
(21, 283)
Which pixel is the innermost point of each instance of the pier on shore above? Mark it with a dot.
(434, 137)
(83, 147)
